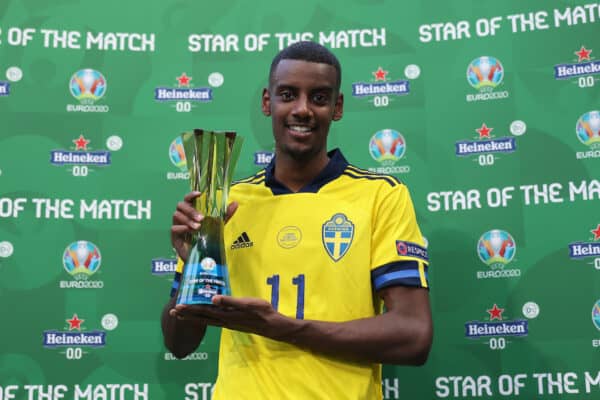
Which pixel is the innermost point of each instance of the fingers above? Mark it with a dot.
(185, 221)
(226, 301)
(191, 219)
(191, 196)
(185, 211)
(240, 303)
(185, 218)
(231, 208)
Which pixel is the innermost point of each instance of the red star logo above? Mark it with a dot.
(184, 80)
(495, 313)
(380, 74)
(75, 322)
(484, 131)
(583, 54)
(596, 232)
(81, 143)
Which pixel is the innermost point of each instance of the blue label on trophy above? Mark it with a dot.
(203, 280)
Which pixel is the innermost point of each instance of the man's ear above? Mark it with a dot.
(338, 110)
(266, 102)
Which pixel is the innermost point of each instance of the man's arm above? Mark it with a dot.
(402, 335)
(180, 336)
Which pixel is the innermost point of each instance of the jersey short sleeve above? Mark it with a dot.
(399, 254)
(177, 277)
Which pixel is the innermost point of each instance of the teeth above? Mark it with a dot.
(302, 129)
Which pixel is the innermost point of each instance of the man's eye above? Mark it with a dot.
(286, 96)
(320, 98)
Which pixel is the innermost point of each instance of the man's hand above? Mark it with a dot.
(186, 220)
(246, 314)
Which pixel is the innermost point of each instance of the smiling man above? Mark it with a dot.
(333, 246)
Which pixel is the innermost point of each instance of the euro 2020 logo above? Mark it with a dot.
(596, 314)
(387, 146)
(82, 259)
(177, 154)
(485, 73)
(588, 129)
(496, 248)
(177, 157)
(87, 86)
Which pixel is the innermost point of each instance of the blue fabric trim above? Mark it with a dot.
(395, 276)
(395, 266)
(399, 273)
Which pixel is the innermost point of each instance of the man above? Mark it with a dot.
(331, 246)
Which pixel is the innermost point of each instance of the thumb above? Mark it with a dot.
(231, 208)
(226, 301)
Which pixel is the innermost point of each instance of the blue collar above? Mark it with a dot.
(334, 168)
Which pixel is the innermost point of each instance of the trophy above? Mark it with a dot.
(211, 158)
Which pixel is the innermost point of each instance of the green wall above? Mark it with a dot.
(496, 105)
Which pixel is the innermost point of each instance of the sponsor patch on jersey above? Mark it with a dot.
(409, 249)
(289, 237)
(243, 241)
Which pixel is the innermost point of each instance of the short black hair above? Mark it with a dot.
(311, 52)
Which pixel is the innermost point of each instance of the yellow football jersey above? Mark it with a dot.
(319, 254)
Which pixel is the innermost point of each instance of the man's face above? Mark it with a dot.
(302, 100)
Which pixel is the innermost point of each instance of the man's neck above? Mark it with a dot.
(296, 174)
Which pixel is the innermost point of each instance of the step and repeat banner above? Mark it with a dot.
(489, 112)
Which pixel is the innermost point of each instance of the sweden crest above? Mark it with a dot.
(337, 235)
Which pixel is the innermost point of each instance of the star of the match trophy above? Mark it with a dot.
(211, 158)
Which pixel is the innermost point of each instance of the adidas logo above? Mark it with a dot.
(242, 241)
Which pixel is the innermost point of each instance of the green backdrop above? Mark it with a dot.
(487, 110)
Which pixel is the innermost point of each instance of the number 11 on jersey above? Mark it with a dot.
(298, 281)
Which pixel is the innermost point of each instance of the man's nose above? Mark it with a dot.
(301, 106)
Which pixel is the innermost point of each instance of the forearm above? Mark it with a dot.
(181, 337)
(402, 335)
(386, 338)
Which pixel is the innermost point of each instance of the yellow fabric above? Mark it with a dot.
(285, 240)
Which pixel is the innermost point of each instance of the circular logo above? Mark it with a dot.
(531, 310)
(6, 249)
(402, 248)
(114, 143)
(208, 264)
(87, 85)
(485, 72)
(109, 322)
(596, 314)
(216, 79)
(588, 128)
(496, 248)
(412, 71)
(518, 128)
(289, 237)
(177, 154)
(387, 146)
(14, 74)
(82, 259)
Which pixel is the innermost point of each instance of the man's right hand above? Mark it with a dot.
(186, 220)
